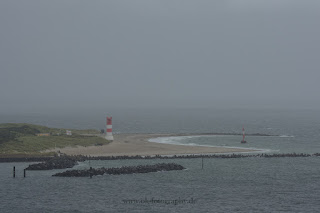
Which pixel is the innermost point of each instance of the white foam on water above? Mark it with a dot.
(286, 136)
(176, 140)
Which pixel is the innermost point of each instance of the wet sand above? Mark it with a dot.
(138, 144)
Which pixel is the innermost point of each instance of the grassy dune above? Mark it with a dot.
(44, 129)
(22, 139)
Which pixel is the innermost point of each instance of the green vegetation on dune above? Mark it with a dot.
(22, 138)
(12, 132)
(43, 129)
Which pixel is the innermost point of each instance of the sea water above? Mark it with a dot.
(223, 185)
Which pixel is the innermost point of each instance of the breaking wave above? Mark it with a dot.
(286, 136)
(178, 140)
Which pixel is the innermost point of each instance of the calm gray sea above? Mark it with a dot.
(224, 185)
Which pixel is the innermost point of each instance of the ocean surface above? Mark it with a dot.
(223, 185)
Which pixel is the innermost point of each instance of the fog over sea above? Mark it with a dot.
(224, 185)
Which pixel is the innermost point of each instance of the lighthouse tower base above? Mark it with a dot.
(109, 137)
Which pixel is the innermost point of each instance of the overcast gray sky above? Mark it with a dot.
(246, 53)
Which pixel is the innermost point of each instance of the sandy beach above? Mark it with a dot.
(138, 144)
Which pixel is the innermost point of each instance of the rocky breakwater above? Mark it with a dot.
(54, 163)
(122, 170)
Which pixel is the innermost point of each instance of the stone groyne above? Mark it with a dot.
(122, 170)
(126, 157)
(54, 163)
(262, 155)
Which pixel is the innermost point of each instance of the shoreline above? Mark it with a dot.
(139, 144)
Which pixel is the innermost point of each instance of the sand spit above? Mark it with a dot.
(138, 144)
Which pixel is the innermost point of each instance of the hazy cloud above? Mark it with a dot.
(159, 53)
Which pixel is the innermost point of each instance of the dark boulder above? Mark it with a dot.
(122, 170)
(54, 163)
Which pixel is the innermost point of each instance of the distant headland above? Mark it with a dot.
(22, 139)
(29, 140)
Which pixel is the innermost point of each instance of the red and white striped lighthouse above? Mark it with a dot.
(109, 136)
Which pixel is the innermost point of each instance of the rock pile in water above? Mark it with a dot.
(122, 170)
(54, 163)
(262, 155)
(83, 158)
